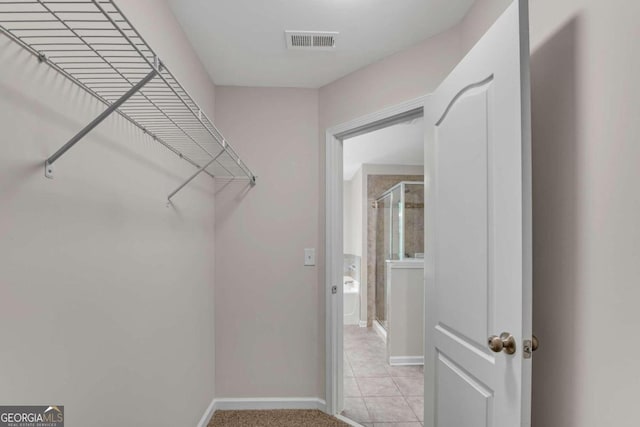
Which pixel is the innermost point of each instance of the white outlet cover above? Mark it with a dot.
(310, 256)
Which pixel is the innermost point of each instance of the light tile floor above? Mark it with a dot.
(377, 394)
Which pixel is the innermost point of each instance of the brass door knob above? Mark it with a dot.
(505, 342)
(534, 343)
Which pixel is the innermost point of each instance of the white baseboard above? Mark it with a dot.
(380, 330)
(363, 324)
(347, 420)
(270, 403)
(245, 404)
(406, 360)
(204, 421)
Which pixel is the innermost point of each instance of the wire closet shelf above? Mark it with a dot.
(93, 44)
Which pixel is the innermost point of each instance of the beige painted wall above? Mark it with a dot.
(585, 91)
(479, 18)
(268, 330)
(398, 78)
(106, 294)
(346, 218)
(352, 208)
(156, 23)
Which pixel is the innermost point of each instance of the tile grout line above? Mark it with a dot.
(371, 349)
(407, 402)
(368, 411)
(358, 385)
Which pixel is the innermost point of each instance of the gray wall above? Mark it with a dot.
(352, 204)
(268, 339)
(585, 91)
(106, 294)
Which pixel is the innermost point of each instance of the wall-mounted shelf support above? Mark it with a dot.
(192, 177)
(48, 170)
(94, 45)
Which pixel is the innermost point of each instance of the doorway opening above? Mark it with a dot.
(377, 336)
(478, 263)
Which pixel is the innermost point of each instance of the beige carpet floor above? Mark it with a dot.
(274, 418)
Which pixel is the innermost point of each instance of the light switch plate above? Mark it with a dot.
(310, 256)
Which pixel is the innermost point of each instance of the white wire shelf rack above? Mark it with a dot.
(93, 44)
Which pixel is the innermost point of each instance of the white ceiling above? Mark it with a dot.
(242, 43)
(400, 144)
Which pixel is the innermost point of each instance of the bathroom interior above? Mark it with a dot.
(383, 212)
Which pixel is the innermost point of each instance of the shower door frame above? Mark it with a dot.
(333, 286)
(401, 235)
(401, 184)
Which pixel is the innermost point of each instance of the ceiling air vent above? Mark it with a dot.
(311, 40)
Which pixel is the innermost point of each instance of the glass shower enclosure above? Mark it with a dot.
(399, 234)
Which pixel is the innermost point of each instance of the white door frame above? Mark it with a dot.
(334, 238)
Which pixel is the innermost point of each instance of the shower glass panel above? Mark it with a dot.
(399, 234)
(413, 221)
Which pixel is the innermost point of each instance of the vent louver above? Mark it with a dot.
(311, 40)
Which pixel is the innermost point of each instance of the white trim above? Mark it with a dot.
(407, 263)
(260, 403)
(333, 249)
(265, 403)
(406, 360)
(380, 330)
(208, 414)
(372, 118)
(362, 324)
(347, 420)
(334, 273)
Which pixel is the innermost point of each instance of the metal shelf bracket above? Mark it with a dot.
(48, 164)
(196, 173)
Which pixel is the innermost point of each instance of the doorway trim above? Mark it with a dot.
(334, 234)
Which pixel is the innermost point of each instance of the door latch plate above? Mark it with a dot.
(334, 289)
(527, 349)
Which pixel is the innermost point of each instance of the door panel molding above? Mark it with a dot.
(478, 233)
(461, 93)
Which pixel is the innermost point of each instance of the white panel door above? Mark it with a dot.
(478, 234)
